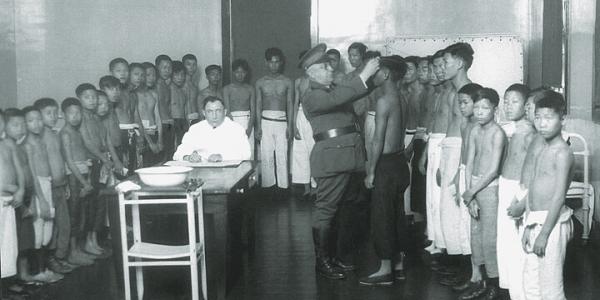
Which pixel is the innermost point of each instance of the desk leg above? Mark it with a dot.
(215, 206)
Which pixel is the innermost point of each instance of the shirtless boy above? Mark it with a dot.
(458, 58)
(213, 76)
(62, 227)
(164, 65)
(125, 107)
(43, 206)
(180, 104)
(520, 133)
(11, 195)
(240, 99)
(432, 155)
(387, 175)
(484, 158)
(104, 161)
(547, 220)
(149, 116)
(76, 158)
(274, 104)
(191, 86)
(466, 96)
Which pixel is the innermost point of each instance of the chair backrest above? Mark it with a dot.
(582, 153)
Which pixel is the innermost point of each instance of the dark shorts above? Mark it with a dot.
(25, 232)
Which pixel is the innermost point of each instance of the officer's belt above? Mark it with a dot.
(274, 120)
(335, 132)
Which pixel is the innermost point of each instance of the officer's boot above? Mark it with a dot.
(323, 264)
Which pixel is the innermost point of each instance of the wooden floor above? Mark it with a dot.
(282, 267)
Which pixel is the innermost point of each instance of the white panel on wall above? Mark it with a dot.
(497, 62)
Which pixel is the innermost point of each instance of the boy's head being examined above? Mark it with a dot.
(14, 120)
(178, 73)
(550, 111)
(466, 96)
(87, 94)
(485, 105)
(33, 120)
(111, 86)
(71, 108)
(515, 99)
(48, 107)
(119, 68)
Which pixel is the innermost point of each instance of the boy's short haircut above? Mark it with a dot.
(11, 113)
(148, 65)
(84, 87)
(45, 102)
(135, 65)
(334, 52)
(272, 52)
(519, 88)
(396, 64)
(554, 101)
(412, 59)
(489, 94)
(471, 90)
(362, 48)
(372, 54)
(69, 101)
(189, 56)
(538, 92)
(422, 59)
(462, 50)
(28, 109)
(177, 66)
(210, 68)
(101, 93)
(437, 54)
(161, 58)
(109, 81)
(116, 61)
(240, 63)
(213, 99)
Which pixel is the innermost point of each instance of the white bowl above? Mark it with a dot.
(163, 176)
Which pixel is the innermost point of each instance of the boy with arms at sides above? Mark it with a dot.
(148, 115)
(303, 135)
(274, 109)
(466, 96)
(125, 107)
(520, 133)
(239, 98)
(42, 204)
(12, 189)
(122, 139)
(547, 220)
(458, 58)
(180, 106)
(432, 155)
(191, 72)
(16, 133)
(164, 65)
(104, 161)
(191, 86)
(387, 175)
(213, 76)
(62, 227)
(335, 58)
(78, 170)
(484, 158)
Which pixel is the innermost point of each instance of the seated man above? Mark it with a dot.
(215, 139)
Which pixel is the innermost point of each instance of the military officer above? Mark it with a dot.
(339, 149)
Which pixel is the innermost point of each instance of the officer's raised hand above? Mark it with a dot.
(370, 69)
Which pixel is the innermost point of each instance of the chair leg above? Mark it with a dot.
(127, 284)
(139, 277)
(194, 279)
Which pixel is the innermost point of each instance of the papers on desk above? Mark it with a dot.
(205, 164)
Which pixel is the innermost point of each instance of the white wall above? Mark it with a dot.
(60, 44)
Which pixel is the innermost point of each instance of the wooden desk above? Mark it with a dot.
(223, 195)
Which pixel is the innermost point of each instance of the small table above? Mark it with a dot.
(223, 192)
